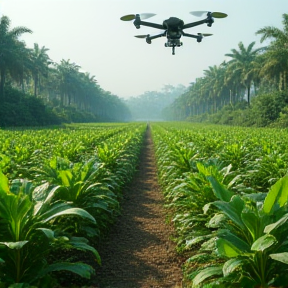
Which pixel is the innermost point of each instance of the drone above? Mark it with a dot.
(173, 27)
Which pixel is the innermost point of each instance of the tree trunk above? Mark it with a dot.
(248, 94)
(35, 85)
(2, 83)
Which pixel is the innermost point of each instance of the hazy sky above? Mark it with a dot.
(91, 34)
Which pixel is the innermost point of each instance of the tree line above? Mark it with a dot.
(60, 87)
(227, 93)
(149, 105)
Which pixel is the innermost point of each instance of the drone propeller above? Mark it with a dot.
(131, 17)
(141, 36)
(204, 34)
(213, 14)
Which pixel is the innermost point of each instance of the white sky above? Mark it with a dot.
(91, 34)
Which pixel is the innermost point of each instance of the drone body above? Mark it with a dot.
(173, 27)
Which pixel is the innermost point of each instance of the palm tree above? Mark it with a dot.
(216, 85)
(22, 65)
(242, 65)
(89, 89)
(67, 75)
(9, 49)
(277, 52)
(40, 62)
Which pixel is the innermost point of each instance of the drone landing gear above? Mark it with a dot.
(173, 50)
(173, 45)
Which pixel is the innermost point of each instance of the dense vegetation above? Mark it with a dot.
(51, 92)
(60, 188)
(227, 193)
(249, 90)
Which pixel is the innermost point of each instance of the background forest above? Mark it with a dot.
(34, 90)
(249, 88)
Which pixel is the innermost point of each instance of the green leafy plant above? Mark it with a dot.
(28, 234)
(252, 237)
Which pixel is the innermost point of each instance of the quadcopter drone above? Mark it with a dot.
(173, 27)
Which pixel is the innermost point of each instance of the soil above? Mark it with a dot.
(138, 252)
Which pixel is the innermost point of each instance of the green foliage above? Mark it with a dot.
(86, 185)
(74, 193)
(29, 235)
(265, 110)
(22, 110)
(255, 234)
(225, 224)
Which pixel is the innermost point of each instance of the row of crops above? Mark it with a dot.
(60, 188)
(226, 189)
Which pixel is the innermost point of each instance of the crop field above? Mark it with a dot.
(59, 187)
(225, 190)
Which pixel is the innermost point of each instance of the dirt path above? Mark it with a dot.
(138, 252)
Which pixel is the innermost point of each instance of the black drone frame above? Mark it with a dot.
(173, 28)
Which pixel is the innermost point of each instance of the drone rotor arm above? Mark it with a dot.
(190, 35)
(157, 36)
(148, 24)
(196, 36)
(193, 24)
(150, 38)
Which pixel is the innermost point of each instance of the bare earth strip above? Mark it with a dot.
(138, 252)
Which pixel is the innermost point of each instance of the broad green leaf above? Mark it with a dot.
(21, 186)
(81, 269)
(4, 184)
(196, 240)
(82, 244)
(72, 211)
(199, 258)
(273, 226)
(206, 273)
(48, 232)
(238, 244)
(231, 265)
(65, 176)
(227, 249)
(232, 210)
(281, 257)
(216, 220)
(251, 221)
(219, 190)
(206, 207)
(277, 196)
(43, 196)
(19, 211)
(40, 192)
(256, 197)
(263, 243)
(53, 209)
(14, 245)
